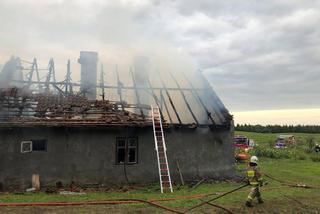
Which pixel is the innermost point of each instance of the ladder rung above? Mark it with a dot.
(164, 173)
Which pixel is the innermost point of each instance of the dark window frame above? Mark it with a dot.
(126, 153)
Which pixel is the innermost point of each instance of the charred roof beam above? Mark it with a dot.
(185, 99)
(119, 87)
(170, 100)
(156, 99)
(137, 94)
(195, 92)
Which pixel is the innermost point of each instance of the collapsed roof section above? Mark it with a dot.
(20, 107)
(183, 98)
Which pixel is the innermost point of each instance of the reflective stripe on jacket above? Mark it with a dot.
(253, 176)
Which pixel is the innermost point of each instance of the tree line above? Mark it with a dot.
(278, 128)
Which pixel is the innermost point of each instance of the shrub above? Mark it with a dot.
(310, 145)
(271, 152)
(299, 155)
(315, 158)
(271, 143)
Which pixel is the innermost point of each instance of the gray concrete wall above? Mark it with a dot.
(87, 155)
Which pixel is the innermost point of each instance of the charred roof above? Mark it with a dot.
(183, 99)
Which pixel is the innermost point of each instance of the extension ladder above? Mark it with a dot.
(160, 146)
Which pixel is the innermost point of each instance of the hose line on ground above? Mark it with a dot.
(106, 202)
(151, 202)
(290, 184)
(220, 207)
(220, 196)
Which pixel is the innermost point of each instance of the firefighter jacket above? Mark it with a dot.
(254, 176)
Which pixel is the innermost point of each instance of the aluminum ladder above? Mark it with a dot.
(160, 146)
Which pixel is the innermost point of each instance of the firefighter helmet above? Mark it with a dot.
(254, 159)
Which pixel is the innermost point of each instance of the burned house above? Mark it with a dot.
(109, 135)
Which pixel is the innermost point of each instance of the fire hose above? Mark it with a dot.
(122, 201)
(106, 202)
(290, 184)
(213, 199)
(151, 202)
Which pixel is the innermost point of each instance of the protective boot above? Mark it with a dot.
(260, 201)
(249, 204)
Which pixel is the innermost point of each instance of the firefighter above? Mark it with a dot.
(255, 181)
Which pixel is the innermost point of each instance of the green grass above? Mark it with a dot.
(293, 170)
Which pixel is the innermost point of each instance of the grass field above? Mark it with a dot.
(278, 198)
(265, 138)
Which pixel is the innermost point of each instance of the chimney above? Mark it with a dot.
(88, 61)
(141, 74)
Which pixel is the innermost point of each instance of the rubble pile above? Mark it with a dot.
(25, 107)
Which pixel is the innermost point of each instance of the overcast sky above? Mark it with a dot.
(257, 54)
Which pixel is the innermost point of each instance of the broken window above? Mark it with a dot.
(127, 149)
(39, 145)
(33, 145)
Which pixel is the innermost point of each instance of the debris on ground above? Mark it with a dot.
(71, 193)
(31, 189)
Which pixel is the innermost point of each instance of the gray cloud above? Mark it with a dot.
(256, 54)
